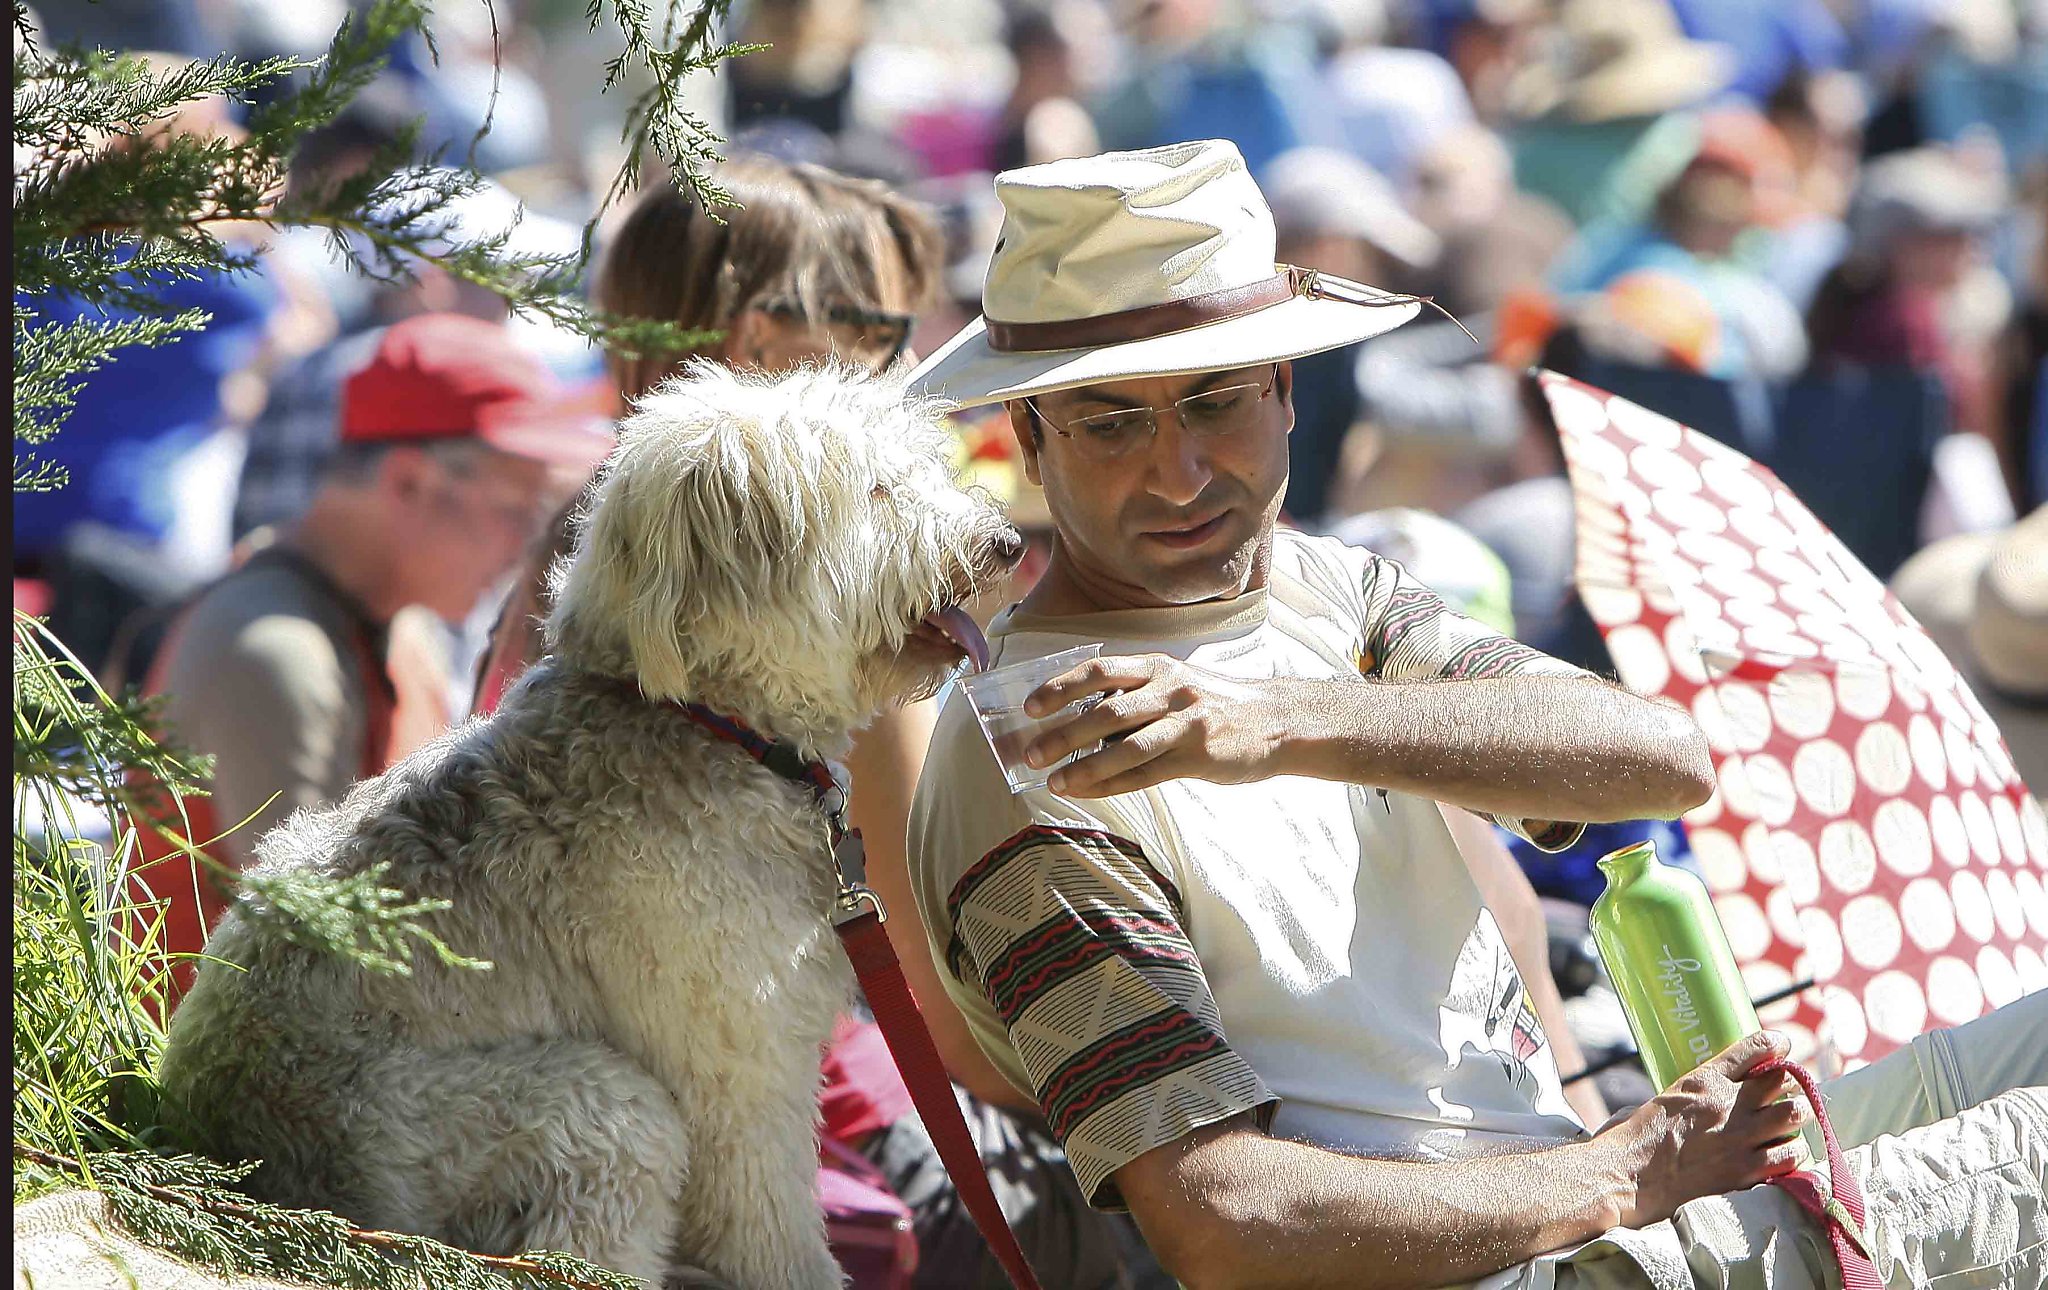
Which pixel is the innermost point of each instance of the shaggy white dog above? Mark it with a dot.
(635, 1079)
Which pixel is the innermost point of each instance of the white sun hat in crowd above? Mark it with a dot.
(1150, 263)
(1315, 190)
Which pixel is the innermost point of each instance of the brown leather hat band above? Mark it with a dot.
(1146, 321)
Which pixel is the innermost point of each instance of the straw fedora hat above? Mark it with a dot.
(1132, 264)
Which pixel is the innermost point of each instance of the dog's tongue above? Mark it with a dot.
(962, 631)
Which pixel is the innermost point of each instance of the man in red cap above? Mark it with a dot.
(455, 446)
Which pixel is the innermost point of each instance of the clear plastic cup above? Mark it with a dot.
(998, 698)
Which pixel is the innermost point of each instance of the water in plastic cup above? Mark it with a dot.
(998, 698)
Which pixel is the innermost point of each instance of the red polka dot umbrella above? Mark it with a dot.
(1869, 831)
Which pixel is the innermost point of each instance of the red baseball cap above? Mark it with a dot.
(450, 376)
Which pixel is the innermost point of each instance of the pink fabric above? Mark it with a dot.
(862, 1090)
(1838, 1209)
(868, 1227)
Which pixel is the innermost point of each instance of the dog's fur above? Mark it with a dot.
(635, 1079)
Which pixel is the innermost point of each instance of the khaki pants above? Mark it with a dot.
(1950, 1143)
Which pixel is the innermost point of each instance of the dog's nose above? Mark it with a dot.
(1009, 546)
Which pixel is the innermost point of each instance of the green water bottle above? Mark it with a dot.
(1670, 963)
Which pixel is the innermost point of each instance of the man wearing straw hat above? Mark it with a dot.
(1235, 955)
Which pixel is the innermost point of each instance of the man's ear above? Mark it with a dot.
(1283, 390)
(1025, 427)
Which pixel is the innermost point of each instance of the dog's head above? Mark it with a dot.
(792, 549)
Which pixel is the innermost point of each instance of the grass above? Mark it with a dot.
(86, 956)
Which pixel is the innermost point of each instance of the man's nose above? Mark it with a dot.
(1180, 468)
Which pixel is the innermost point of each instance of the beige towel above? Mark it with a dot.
(70, 1241)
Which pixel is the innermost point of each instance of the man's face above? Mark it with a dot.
(468, 520)
(1177, 519)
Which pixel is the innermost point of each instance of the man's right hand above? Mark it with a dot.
(1226, 1205)
(1716, 1130)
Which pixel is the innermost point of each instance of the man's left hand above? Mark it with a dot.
(1159, 719)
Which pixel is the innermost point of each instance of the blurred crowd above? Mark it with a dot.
(1813, 228)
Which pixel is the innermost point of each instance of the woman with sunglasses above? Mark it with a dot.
(814, 265)
(809, 265)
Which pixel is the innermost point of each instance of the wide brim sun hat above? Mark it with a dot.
(1125, 265)
(1610, 60)
(2009, 625)
(1922, 189)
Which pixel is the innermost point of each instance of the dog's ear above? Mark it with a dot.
(689, 533)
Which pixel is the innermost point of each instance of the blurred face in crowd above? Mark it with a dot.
(1462, 180)
(1933, 259)
(1821, 119)
(460, 519)
(1168, 508)
(810, 265)
(1486, 52)
(1045, 69)
(1169, 25)
(1707, 208)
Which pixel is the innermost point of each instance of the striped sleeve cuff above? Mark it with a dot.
(1074, 937)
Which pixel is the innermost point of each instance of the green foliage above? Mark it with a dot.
(657, 120)
(89, 973)
(353, 916)
(85, 959)
(112, 207)
(47, 362)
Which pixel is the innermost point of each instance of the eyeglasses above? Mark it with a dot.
(1211, 414)
(876, 336)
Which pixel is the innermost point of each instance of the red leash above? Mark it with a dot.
(917, 1058)
(857, 915)
(1839, 1207)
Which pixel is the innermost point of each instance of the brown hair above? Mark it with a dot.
(801, 232)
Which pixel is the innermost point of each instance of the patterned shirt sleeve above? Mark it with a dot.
(1075, 939)
(1412, 635)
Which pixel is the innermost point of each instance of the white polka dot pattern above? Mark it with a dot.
(1929, 913)
(1896, 1005)
(1868, 829)
(1953, 991)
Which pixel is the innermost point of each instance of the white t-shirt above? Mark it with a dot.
(1150, 963)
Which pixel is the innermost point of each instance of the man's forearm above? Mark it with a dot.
(1527, 747)
(1281, 1213)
